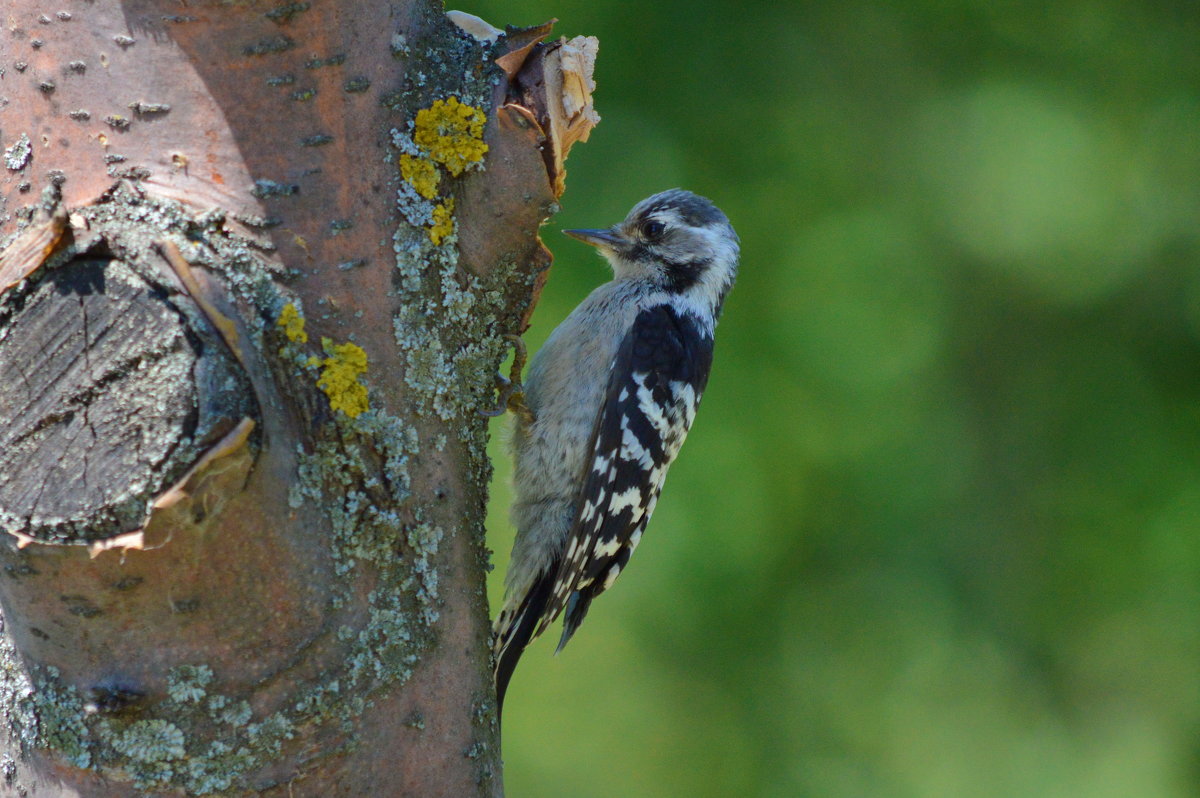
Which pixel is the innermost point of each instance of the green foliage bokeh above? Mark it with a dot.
(936, 531)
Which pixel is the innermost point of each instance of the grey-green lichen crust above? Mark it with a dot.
(18, 155)
(150, 751)
(449, 322)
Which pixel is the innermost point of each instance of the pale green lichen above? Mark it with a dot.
(363, 503)
(449, 364)
(60, 718)
(153, 740)
(225, 710)
(17, 156)
(188, 683)
(424, 539)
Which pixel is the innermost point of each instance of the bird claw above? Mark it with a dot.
(511, 391)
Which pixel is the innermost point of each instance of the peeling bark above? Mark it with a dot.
(249, 311)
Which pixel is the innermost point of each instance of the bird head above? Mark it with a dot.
(676, 240)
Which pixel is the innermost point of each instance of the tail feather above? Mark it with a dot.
(515, 631)
(576, 610)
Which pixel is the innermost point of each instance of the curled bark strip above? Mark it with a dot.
(224, 448)
(31, 249)
(569, 87)
(530, 121)
(554, 81)
(220, 322)
(521, 43)
(215, 465)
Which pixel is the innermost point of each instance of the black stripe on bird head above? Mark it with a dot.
(693, 210)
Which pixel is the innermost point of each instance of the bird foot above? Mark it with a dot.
(511, 391)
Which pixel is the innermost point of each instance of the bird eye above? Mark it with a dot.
(653, 229)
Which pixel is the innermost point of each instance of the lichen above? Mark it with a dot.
(421, 173)
(188, 683)
(285, 12)
(17, 156)
(59, 714)
(449, 364)
(237, 713)
(154, 740)
(443, 221)
(339, 379)
(451, 133)
(293, 324)
(366, 505)
(424, 540)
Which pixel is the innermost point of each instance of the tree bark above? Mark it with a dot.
(259, 262)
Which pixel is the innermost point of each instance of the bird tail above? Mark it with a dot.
(515, 630)
(573, 615)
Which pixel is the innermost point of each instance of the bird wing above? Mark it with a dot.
(657, 377)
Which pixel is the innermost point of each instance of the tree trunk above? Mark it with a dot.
(260, 259)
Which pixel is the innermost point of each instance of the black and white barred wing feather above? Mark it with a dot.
(657, 378)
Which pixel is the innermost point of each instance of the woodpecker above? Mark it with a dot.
(608, 401)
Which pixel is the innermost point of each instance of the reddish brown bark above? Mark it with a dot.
(305, 587)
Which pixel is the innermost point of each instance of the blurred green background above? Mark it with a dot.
(936, 531)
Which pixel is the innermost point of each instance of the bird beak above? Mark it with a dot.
(604, 239)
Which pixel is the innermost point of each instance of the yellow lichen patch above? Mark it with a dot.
(443, 221)
(339, 377)
(421, 174)
(293, 324)
(452, 134)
